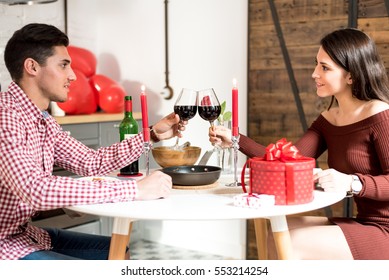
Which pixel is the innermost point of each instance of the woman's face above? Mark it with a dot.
(330, 78)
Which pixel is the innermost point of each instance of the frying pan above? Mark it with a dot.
(193, 175)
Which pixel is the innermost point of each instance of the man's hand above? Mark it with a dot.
(156, 185)
(169, 127)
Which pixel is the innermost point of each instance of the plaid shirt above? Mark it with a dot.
(31, 142)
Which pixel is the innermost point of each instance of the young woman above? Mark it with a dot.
(355, 132)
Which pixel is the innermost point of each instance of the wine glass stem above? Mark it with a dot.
(177, 139)
(176, 145)
(146, 149)
(215, 146)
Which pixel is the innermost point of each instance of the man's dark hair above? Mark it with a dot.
(36, 41)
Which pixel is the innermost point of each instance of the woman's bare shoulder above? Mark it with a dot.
(376, 106)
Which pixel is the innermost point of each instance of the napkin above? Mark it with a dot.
(253, 200)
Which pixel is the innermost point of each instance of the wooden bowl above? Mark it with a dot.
(167, 156)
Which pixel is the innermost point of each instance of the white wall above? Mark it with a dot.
(13, 18)
(207, 41)
(208, 48)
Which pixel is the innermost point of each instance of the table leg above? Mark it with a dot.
(260, 226)
(120, 238)
(282, 239)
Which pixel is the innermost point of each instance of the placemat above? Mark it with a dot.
(202, 187)
(130, 176)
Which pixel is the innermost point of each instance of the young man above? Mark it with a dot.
(31, 142)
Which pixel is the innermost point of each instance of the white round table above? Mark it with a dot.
(204, 204)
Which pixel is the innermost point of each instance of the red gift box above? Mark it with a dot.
(283, 172)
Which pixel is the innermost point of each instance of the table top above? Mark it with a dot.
(203, 204)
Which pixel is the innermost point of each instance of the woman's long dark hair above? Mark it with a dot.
(357, 54)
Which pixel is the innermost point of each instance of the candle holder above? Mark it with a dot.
(146, 150)
(235, 146)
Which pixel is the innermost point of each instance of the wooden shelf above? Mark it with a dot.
(93, 118)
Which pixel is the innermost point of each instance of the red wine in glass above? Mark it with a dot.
(186, 112)
(210, 113)
(185, 106)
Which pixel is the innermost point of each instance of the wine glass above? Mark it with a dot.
(185, 107)
(208, 105)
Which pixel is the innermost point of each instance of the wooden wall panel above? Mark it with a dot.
(303, 23)
(293, 11)
(272, 111)
(371, 9)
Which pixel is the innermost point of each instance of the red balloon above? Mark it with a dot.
(83, 60)
(100, 82)
(81, 99)
(112, 99)
(70, 105)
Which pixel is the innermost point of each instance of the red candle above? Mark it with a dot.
(235, 126)
(145, 118)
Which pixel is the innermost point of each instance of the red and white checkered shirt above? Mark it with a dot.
(31, 142)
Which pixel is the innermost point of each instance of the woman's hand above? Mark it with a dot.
(331, 180)
(169, 127)
(220, 136)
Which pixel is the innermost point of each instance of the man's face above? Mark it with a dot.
(55, 76)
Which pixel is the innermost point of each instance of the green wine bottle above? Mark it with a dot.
(127, 129)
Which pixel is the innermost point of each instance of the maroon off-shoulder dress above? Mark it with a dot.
(361, 148)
